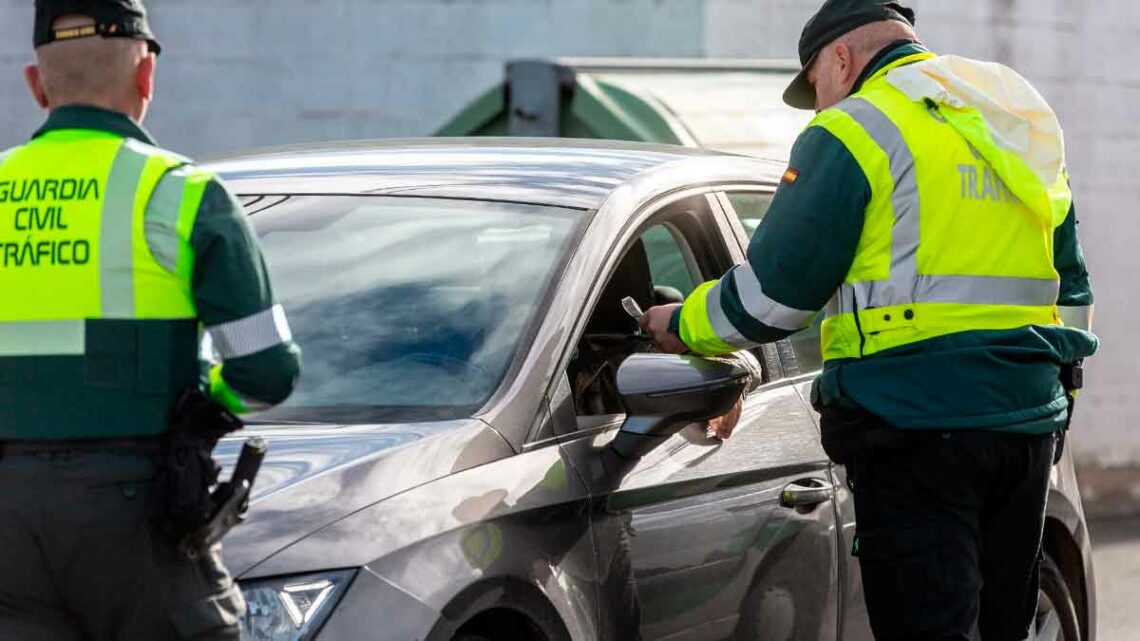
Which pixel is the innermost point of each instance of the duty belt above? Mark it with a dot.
(31, 448)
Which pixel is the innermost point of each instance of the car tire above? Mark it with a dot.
(1056, 618)
(471, 637)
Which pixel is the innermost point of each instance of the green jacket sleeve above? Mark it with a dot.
(1069, 260)
(249, 331)
(799, 256)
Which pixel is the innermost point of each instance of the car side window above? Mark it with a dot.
(750, 207)
(679, 249)
(800, 353)
(668, 265)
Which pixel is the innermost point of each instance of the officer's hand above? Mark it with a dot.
(722, 426)
(655, 322)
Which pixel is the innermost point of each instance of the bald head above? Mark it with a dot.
(840, 63)
(112, 73)
(868, 40)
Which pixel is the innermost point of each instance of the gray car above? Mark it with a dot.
(484, 448)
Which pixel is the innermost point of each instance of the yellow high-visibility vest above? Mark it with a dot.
(95, 264)
(91, 234)
(958, 235)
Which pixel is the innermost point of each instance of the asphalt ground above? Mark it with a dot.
(1116, 561)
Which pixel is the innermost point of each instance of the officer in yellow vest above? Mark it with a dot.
(926, 215)
(114, 254)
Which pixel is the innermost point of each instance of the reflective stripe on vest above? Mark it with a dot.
(758, 305)
(81, 238)
(43, 338)
(889, 298)
(705, 326)
(1078, 317)
(250, 335)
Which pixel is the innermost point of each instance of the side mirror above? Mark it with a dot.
(663, 393)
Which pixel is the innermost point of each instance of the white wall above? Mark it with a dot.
(242, 73)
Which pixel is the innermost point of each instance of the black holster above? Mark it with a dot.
(185, 470)
(1073, 380)
(851, 435)
(842, 433)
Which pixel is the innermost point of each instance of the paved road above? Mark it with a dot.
(1116, 557)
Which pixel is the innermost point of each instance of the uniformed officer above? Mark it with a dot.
(926, 211)
(113, 253)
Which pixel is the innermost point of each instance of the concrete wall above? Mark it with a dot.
(242, 73)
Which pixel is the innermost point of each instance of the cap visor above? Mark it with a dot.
(800, 94)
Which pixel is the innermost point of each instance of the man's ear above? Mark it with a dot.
(36, 85)
(144, 76)
(844, 63)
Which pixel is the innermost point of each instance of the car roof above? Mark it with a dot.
(577, 173)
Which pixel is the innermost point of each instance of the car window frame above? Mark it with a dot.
(731, 220)
(645, 217)
(730, 209)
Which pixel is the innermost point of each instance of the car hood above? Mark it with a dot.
(314, 475)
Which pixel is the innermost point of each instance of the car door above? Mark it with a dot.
(800, 359)
(703, 539)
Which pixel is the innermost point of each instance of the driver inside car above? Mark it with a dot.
(612, 334)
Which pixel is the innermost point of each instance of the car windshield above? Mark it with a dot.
(406, 308)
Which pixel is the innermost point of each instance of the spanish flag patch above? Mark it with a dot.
(790, 176)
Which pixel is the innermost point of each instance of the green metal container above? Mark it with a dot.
(728, 105)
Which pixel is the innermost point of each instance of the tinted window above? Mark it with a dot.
(667, 263)
(407, 307)
(750, 208)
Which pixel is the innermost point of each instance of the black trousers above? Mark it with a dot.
(79, 560)
(949, 530)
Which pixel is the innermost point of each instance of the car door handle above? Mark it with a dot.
(806, 493)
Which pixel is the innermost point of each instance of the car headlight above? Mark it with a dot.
(291, 608)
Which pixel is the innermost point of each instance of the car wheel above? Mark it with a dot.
(1056, 618)
(471, 637)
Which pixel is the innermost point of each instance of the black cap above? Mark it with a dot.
(834, 19)
(113, 19)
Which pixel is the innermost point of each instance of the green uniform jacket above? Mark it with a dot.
(230, 282)
(801, 253)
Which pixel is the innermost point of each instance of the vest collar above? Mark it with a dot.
(896, 54)
(87, 117)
